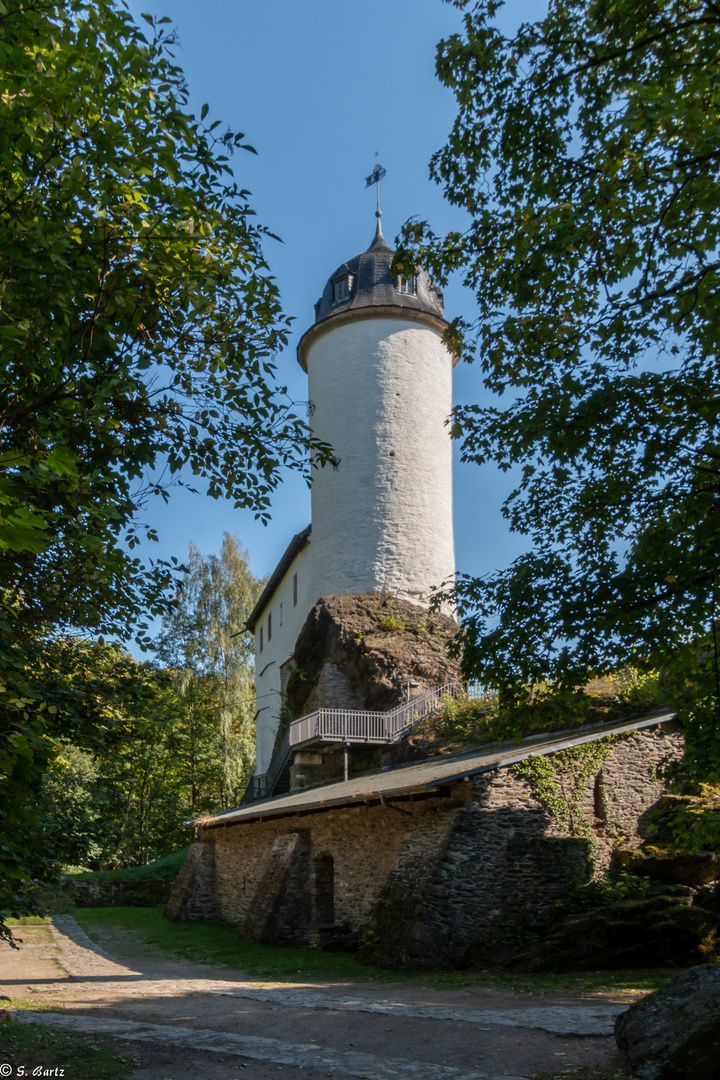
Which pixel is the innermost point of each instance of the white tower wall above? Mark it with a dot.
(380, 390)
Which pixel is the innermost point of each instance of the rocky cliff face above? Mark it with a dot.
(361, 651)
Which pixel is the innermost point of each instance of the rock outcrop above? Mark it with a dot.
(674, 1034)
(362, 651)
(665, 931)
(673, 867)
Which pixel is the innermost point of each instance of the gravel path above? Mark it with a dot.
(189, 1020)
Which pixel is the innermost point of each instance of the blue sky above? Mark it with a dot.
(318, 87)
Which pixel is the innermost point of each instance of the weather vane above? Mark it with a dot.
(374, 178)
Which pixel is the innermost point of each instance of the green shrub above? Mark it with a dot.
(473, 721)
(166, 867)
(606, 893)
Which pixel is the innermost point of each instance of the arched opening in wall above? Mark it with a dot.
(324, 890)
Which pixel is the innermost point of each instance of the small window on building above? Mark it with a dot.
(281, 614)
(294, 590)
(407, 285)
(341, 288)
(261, 639)
(269, 628)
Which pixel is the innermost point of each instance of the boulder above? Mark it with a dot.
(665, 931)
(673, 867)
(361, 652)
(708, 897)
(674, 1033)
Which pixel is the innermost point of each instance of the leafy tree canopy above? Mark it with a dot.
(205, 644)
(70, 691)
(139, 321)
(138, 328)
(586, 152)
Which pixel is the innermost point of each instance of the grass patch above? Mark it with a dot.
(219, 943)
(81, 1056)
(32, 929)
(28, 920)
(166, 867)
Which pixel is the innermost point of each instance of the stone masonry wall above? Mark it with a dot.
(424, 881)
(467, 897)
(395, 931)
(194, 892)
(281, 909)
(99, 893)
(487, 877)
(620, 798)
(364, 842)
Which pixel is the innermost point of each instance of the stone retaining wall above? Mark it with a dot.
(102, 893)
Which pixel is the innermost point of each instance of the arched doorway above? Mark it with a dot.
(324, 890)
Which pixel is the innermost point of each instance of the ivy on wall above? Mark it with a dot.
(558, 781)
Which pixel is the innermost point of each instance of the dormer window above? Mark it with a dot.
(407, 285)
(341, 288)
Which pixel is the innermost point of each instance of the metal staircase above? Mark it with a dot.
(347, 727)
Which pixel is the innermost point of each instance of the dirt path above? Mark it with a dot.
(185, 1021)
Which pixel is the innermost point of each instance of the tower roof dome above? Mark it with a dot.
(365, 281)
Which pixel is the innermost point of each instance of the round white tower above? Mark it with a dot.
(380, 389)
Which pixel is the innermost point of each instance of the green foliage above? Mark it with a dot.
(138, 328)
(392, 624)
(692, 819)
(139, 319)
(126, 798)
(179, 742)
(205, 640)
(473, 720)
(168, 866)
(69, 688)
(604, 892)
(496, 718)
(637, 691)
(76, 804)
(585, 154)
(559, 780)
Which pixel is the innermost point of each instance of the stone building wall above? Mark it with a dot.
(508, 861)
(424, 881)
(194, 892)
(103, 893)
(363, 841)
(627, 787)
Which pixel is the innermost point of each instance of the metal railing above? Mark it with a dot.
(350, 726)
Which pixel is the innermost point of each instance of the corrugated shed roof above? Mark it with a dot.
(426, 776)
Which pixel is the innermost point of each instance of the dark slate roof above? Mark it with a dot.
(293, 549)
(372, 285)
(426, 777)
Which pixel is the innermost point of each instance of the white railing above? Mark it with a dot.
(351, 726)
